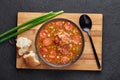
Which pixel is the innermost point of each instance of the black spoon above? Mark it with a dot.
(86, 24)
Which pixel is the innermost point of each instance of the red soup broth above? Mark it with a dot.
(59, 42)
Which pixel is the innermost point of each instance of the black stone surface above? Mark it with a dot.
(111, 38)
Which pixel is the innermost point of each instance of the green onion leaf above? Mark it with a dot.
(33, 22)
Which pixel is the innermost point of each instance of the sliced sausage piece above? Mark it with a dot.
(47, 42)
(43, 33)
(65, 50)
(52, 54)
(59, 23)
(68, 26)
(64, 59)
(57, 40)
(43, 50)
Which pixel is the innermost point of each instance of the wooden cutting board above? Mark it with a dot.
(87, 60)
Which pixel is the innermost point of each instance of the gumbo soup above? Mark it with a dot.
(59, 42)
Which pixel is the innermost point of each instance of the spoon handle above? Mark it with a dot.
(94, 51)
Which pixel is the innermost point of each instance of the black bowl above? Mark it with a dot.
(48, 63)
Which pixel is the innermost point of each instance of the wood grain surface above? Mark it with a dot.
(86, 61)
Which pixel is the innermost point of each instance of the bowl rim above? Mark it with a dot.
(53, 65)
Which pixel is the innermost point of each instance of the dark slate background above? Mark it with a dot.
(111, 38)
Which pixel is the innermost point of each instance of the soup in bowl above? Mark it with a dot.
(59, 42)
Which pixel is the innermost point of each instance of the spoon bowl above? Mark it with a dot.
(85, 23)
